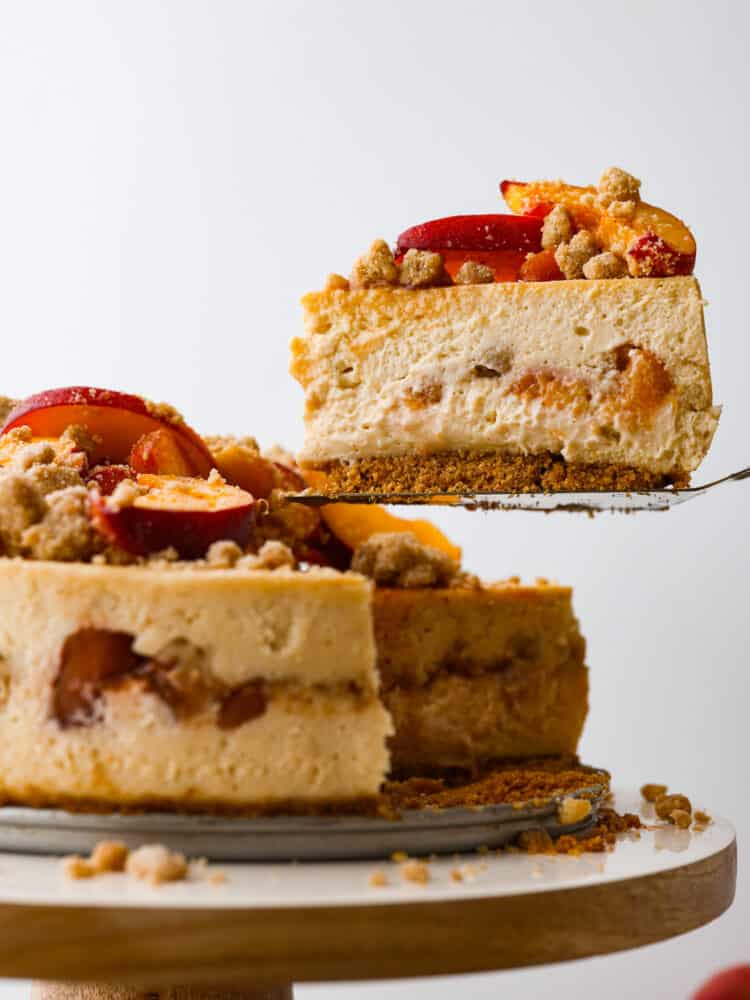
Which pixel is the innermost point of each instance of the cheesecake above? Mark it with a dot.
(560, 348)
(472, 673)
(176, 635)
(188, 688)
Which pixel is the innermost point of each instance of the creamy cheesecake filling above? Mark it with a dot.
(595, 371)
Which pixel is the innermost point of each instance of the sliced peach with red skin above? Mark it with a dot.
(353, 524)
(106, 478)
(179, 512)
(160, 453)
(117, 419)
(541, 266)
(90, 658)
(474, 232)
(656, 243)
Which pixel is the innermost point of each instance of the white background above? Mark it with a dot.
(173, 175)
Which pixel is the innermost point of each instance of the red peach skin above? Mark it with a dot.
(117, 418)
(656, 243)
(177, 512)
(474, 232)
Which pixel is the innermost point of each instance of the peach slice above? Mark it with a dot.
(656, 243)
(178, 512)
(160, 453)
(106, 478)
(118, 419)
(353, 524)
(90, 658)
(474, 232)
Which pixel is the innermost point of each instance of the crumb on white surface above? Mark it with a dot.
(155, 863)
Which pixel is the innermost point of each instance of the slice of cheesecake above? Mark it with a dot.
(572, 356)
(188, 688)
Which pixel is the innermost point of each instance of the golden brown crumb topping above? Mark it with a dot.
(616, 185)
(398, 560)
(375, 268)
(605, 265)
(473, 273)
(557, 228)
(422, 269)
(571, 256)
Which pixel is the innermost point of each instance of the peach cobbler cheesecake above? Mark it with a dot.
(175, 634)
(558, 348)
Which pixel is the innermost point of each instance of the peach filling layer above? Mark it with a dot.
(96, 661)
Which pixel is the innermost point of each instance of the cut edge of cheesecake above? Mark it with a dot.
(573, 385)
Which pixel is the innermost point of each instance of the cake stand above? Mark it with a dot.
(268, 925)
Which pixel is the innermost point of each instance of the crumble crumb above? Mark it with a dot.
(165, 412)
(336, 283)
(618, 185)
(570, 257)
(473, 273)
(622, 209)
(65, 532)
(75, 867)
(557, 228)
(415, 871)
(535, 842)
(680, 818)
(572, 810)
(605, 265)
(21, 505)
(109, 856)
(124, 494)
(422, 269)
(223, 555)
(399, 857)
(378, 879)
(375, 268)
(271, 555)
(665, 805)
(7, 405)
(457, 875)
(652, 792)
(398, 559)
(154, 863)
(702, 817)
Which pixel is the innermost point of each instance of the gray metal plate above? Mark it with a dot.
(286, 838)
(593, 502)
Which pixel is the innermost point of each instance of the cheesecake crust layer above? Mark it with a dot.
(488, 472)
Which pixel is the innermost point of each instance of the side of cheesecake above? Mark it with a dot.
(190, 689)
(508, 386)
(474, 675)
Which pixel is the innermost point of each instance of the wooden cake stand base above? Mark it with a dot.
(269, 925)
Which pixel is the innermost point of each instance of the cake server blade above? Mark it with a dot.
(590, 502)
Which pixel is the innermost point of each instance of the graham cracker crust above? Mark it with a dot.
(509, 780)
(488, 472)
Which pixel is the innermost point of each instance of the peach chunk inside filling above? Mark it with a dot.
(94, 661)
